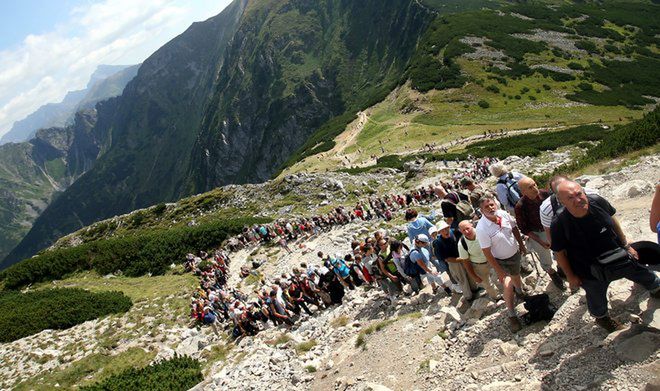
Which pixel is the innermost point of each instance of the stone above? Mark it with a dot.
(452, 315)
(191, 346)
(508, 348)
(433, 365)
(638, 347)
(376, 387)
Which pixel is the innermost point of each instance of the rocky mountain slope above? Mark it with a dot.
(107, 81)
(423, 342)
(33, 173)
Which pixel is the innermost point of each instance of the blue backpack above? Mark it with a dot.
(513, 193)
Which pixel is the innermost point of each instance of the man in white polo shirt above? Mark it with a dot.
(474, 260)
(502, 244)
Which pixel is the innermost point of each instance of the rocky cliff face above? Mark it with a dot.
(293, 65)
(230, 99)
(32, 173)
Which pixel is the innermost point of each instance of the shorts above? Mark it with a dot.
(511, 265)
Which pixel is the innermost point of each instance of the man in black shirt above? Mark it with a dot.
(586, 229)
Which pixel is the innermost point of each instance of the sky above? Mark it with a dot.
(50, 47)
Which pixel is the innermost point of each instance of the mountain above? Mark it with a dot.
(33, 173)
(106, 81)
(230, 99)
(46, 116)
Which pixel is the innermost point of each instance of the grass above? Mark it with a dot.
(88, 370)
(361, 341)
(305, 347)
(310, 368)
(280, 340)
(339, 321)
(137, 288)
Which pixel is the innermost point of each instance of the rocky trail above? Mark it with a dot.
(437, 342)
(423, 342)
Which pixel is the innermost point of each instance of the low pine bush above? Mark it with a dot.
(135, 255)
(178, 373)
(24, 314)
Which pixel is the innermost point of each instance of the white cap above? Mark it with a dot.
(422, 238)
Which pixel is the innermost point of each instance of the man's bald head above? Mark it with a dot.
(573, 197)
(528, 187)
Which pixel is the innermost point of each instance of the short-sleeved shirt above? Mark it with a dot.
(473, 251)
(444, 248)
(528, 213)
(499, 237)
(546, 213)
(421, 253)
(585, 238)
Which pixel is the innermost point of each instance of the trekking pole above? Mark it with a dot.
(535, 261)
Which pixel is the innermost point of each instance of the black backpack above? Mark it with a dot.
(539, 308)
(513, 193)
(410, 267)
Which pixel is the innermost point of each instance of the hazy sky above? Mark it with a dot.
(49, 47)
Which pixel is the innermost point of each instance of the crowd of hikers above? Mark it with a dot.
(476, 247)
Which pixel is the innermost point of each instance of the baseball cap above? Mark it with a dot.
(422, 238)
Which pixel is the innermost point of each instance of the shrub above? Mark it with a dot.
(575, 66)
(524, 90)
(483, 104)
(24, 314)
(178, 373)
(584, 86)
(587, 46)
(493, 88)
(634, 136)
(139, 254)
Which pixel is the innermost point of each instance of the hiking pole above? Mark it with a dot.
(535, 259)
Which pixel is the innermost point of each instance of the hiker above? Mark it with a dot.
(421, 256)
(441, 265)
(475, 262)
(446, 248)
(585, 232)
(399, 251)
(455, 208)
(502, 244)
(417, 224)
(507, 190)
(529, 223)
(654, 218)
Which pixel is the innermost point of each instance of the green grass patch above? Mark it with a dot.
(305, 347)
(24, 314)
(178, 373)
(88, 370)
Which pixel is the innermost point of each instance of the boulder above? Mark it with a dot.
(638, 347)
(191, 346)
(633, 188)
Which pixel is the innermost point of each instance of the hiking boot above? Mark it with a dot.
(559, 283)
(514, 324)
(608, 324)
(447, 291)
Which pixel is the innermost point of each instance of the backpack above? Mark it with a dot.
(539, 308)
(464, 210)
(410, 267)
(556, 206)
(512, 190)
